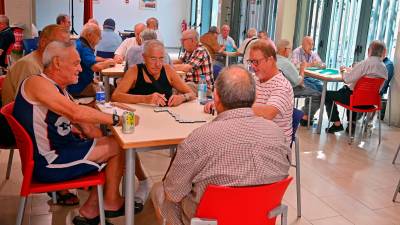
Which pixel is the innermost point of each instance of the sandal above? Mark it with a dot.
(80, 220)
(65, 199)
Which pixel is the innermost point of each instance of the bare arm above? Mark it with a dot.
(266, 111)
(60, 104)
(102, 65)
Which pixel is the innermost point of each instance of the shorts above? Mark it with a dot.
(71, 163)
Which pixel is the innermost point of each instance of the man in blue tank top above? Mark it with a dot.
(51, 119)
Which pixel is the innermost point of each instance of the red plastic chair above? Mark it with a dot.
(11, 148)
(29, 185)
(365, 93)
(243, 205)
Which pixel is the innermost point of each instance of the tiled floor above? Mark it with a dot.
(341, 184)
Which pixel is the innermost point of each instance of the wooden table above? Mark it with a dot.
(324, 75)
(155, 131)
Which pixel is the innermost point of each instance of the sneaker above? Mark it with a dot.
(334, 129)
(304, 123)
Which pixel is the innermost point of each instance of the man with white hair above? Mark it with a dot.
(196, 60)
(89, 38)
(225, 40)
(6, 39)
(244, 48)
(61, 154)
(128, 43)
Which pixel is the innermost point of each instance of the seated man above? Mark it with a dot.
(152, 23)
(110, 40)
(51, 119)
(232, 137)
(371, 67)
(152, 82)
(196, 61)
(120, 53)
(89, 38)
(6, 40)
(296, 80)
(305, 54)
(135, 54)
(209, 40)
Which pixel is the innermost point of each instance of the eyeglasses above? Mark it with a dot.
(255, 62)
(155, 59)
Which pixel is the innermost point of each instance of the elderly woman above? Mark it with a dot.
(152, 82)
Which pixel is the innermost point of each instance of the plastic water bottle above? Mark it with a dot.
(202, 89)
(100, 93)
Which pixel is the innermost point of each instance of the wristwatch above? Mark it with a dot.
(115, 119)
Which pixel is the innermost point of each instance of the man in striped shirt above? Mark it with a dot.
(274, 93)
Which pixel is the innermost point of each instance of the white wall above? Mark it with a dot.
(169, 13)
(285, 19)
(18, 12)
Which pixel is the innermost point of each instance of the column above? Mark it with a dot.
(87, 10)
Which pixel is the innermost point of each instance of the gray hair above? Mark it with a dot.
(213, 29)
(192, 33)
(152, 44)
(377, 48)
(61, 18)
(148, 34)
(236, 87)
(282, 44)
(4, 19)
(252, 32)
(55, 49)
(90, 28)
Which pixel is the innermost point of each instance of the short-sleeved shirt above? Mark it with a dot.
(277, 92)
(88, 59)
(125, 46)
(26, 66)
(200, 60)
(299, 56)
(228, 41)
(288, 70)
(371, 67)
(109, 42)
(226, 152)
(6, 40)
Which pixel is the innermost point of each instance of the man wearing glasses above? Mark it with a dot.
(196, 61)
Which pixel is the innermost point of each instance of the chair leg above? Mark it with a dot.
(284, 215)
(396, 192)
(364, 123)
(350, 128)
(298, 188)
(10, 159)
(389, 101)
(21, 210)
(309, 112)
(395, 156)
(330, 115)
(101, 204)
(380, 129)
(297, 103)
(54, 197)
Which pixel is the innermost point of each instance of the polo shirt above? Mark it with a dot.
(109, 42)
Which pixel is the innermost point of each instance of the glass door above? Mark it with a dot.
(204, 13)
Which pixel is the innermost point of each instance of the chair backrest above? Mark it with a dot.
(24, 144)
(30, 45)
(296, 117)
(242, 205)
(366, 92)
(107, 55)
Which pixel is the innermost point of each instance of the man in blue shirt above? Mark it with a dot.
(109, 39)
(85, 45)
(390, 68)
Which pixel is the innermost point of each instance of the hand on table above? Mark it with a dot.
(176, 100)
(209, 107)
(157, 99)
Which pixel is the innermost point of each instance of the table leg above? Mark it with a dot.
(321, 107)
(129, 186)
(106, 80)
(227, 60)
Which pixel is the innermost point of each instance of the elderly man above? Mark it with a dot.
(226, 41)
(232, 138)
(209, 40)
(6, 40)
(64, 20)
(196, 60)
(68, 156)
(274, 93)
(89, 38)
(152, 23)
(135, 54)
(110, 40)
(371, 67)
(128, 43)
(244, 48)
(305, 54)
(296, 80)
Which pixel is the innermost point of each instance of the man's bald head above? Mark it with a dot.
(308, 44)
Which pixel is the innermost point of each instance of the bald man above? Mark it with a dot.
(128, 43)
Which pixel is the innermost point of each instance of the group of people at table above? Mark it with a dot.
(253, 103)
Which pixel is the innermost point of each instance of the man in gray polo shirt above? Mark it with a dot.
(373, 66)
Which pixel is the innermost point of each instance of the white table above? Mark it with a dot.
(325, 79)
(155, 131)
